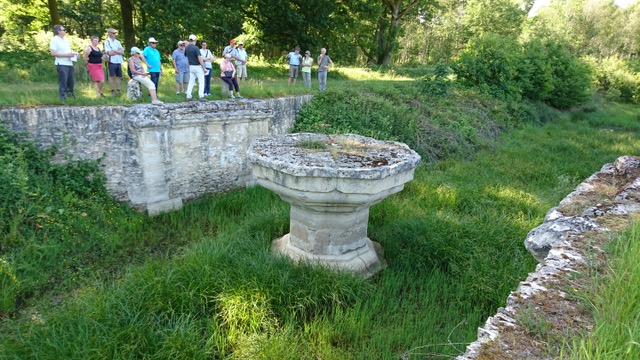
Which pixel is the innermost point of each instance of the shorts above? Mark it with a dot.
(293, 71)
(182, 77)
(115, 70)
(96, 72)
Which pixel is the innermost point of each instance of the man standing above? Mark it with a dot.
(241, 61)
(181, 65)
(196, 67)
(230, 49)
(324, 62)
(61, 50)
(114, 49)
(294, 63)
(151, 56)
(207, 57)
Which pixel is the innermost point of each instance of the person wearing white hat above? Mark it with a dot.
(241, 61)
(114, 49)
(138, 74)
(151, 56)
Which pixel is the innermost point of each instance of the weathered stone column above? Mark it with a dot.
(331, 182)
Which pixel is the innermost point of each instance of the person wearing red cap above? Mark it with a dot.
(231, 49)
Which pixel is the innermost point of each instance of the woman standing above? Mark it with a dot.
(228, 75)
(140, 75)
(307, 62)
(93, 56)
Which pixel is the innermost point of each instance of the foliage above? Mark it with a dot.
(493, 61)
(616, 79)
(539, 70)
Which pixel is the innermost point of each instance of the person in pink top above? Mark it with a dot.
(228, 75)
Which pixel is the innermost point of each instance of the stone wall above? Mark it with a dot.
(571, 236)
(155, 157)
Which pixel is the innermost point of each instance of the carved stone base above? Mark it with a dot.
(364, 261)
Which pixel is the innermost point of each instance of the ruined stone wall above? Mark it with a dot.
(564, 243)
(156, 157)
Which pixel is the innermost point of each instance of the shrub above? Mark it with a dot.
(538, 70)
(493, 61)
(572, 84)
(616, 79)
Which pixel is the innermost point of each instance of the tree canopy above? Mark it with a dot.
(378, 32)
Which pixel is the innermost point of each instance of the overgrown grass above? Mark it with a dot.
(211, 289)
(615, 300)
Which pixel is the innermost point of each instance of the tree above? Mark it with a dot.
(53, 12)
(388, 28)
(126, 9)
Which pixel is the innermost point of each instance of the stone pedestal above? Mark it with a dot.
(330, 188)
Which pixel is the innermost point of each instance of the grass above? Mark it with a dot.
(211, 289)
(614, 298)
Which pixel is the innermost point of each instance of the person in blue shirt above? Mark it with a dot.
(151, 56)
(294, 64)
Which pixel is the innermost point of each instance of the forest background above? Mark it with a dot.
(380, 32)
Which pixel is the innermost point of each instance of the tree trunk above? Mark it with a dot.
(53, 12)
(126, 8)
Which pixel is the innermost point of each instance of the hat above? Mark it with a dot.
(297, 47)
(135, 50)
(192, 37)
(180, 42)
(152, 39)
(307, 52)
(240, 43)
(233, 41)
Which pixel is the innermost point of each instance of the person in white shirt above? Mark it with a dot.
(207, 57)
(241, 61)
(114, 48)
(61, 50)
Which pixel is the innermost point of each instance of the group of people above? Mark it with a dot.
(303, 64)
(190, 63)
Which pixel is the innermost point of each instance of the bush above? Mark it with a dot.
(572, 84)
(492, 61)
(616, 79)
(538, 70)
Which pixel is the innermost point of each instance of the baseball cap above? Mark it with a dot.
(135, 49)
(192, 37)
(297, 47)
(240, 43)
(180, 42)
(307, 52)
(152, 39)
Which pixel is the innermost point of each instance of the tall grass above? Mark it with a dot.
(615, 300)
(452, 240)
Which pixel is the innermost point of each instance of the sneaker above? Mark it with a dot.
(113, 93)
(239, 97)
(178, 93)
(231, 97)
(203, 99)
(157, 102)
(191, 99)
(71, 95)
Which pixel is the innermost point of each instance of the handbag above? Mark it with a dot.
(105, 57)
(228, 74)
